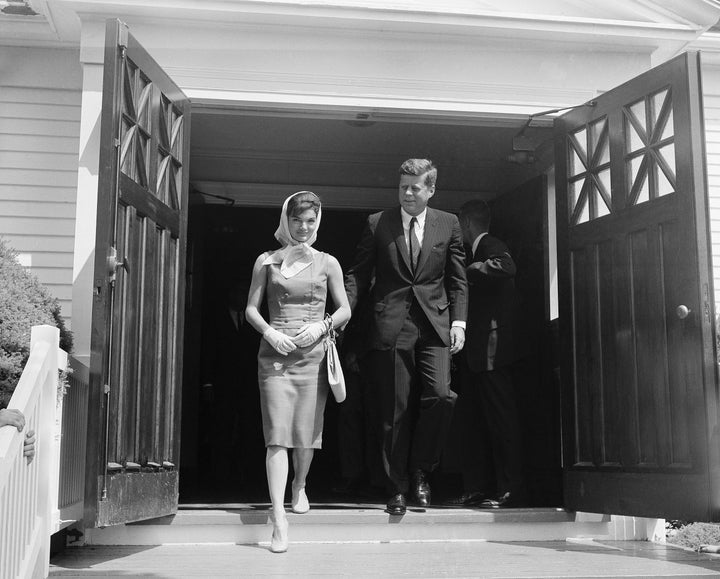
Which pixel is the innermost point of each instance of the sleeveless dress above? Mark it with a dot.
(294, 388)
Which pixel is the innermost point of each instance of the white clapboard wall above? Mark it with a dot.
(711, 99)
(39, 134)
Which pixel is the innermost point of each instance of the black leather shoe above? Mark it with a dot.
(396, 505)
(470, 499)
(503, 501)
(421, 488)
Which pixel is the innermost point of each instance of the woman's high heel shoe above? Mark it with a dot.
(279, 541)
(299, 503)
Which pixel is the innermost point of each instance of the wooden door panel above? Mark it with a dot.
(636, 385)
(606, 404)
(137, 322)
(649, 380)
(132, 195)
(584, 269)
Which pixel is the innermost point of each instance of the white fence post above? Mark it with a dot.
(26, 499)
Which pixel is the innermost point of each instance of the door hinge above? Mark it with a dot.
(106, 389)
(122, 39)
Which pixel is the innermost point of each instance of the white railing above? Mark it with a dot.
(71, 441)
(28, 492)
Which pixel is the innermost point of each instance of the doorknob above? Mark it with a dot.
(114, 264)
(682, 312)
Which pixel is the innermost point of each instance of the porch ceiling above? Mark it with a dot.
(232, 152)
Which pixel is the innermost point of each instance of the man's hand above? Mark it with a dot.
(12, 417)
(457, 339)
(480, 266)
(29, 446)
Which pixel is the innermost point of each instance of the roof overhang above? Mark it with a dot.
(658, 27)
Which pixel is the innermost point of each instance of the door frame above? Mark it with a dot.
(272, 196)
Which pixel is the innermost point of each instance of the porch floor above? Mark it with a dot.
(418, 559)
(249, 524)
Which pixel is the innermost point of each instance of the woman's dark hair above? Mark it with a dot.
(301, 202)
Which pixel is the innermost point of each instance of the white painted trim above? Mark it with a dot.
(361, 14)
(552, 262)
(86, 213)
(350, 113)
(503, 114)
(194, 79)
(657, 27)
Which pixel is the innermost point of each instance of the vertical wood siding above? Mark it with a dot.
(39, 138)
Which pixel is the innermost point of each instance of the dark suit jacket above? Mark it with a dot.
(492, 297)
(439, 284)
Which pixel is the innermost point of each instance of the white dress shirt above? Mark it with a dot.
(419, 226)
(477, 242)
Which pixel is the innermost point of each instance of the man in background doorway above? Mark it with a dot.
(492, 457)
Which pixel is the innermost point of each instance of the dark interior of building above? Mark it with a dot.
(226, 234)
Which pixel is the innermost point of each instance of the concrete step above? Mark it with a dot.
(327, 523)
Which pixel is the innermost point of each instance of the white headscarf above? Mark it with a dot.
(294, 256)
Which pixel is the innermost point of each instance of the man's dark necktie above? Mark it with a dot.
(414, 244)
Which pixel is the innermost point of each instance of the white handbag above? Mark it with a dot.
(336, 378)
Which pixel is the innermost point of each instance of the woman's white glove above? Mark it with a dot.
(310, 333)
(283, 344)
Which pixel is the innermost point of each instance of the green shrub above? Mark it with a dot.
(24, 303)
(694, 535)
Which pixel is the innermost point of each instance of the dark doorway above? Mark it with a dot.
(518, 218)
(224, 242)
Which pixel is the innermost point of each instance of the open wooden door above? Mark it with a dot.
(636, 311)
(136, 360)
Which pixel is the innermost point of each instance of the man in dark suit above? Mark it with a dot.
(419, 302)
(487, 389)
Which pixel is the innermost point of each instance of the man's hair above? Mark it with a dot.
(420, 167)
(477, 212)
(301, 202)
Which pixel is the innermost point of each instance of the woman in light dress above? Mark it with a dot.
(292, 374)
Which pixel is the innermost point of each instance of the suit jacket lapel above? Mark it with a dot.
(429, 237)
(399, 234)
(479, 250)
(474, 256)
